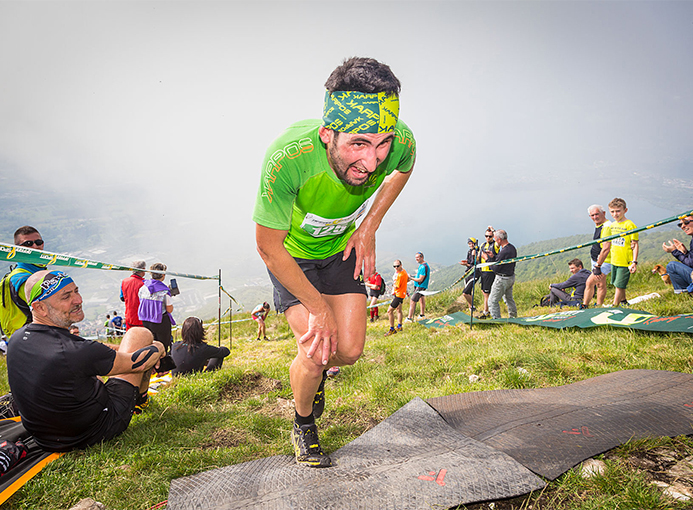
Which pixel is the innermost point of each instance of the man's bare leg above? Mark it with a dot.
(134, 339)
(619, 295)
(306, 373)
(601, 291)
(412, 310)
(486, 295)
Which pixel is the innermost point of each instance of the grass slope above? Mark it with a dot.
(244, 411)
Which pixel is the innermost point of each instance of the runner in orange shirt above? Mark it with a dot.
(400, 292)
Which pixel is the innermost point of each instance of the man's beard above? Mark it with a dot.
(341, 169)
(61, 319)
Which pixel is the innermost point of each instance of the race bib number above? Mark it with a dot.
(318, 226)
(619, 241)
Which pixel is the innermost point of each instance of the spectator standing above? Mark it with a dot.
(14, 310)
(156, 306)
(259, 314)
(117, 324)
(375, 285)
(316, 182)
(107, 325)
(399, 291)
(469, 263)
(504, 277)
(680, 270)
(53, 374)
(598, 215)
(577, 282)
(423, 276)
(623, 250)
(193, 354)
(129, 294)
(487, 252)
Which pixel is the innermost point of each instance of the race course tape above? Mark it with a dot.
(13, 253)
(562, 250)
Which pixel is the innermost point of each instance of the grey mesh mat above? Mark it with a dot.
(411, 460)
(550, 430)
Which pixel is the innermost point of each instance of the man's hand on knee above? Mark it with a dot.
(322, 329)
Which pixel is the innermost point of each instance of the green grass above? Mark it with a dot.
(243, 412)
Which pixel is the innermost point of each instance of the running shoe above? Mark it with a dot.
(408, 319)
(399, 327)
(421, 316)
(391, 331)
(141, 404)
(319, 399)
(304, 438)
(334, 371)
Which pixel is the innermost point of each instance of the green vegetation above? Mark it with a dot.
(244, 411)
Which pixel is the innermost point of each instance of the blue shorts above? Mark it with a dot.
(606, 268)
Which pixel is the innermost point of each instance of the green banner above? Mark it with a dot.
(589, 318)
(12, 253)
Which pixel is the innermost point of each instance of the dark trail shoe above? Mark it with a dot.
(307, 447)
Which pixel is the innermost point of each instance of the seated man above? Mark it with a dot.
(577, 281)
(680, 270)
(53, 374)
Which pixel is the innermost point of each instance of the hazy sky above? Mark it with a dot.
(524, 112)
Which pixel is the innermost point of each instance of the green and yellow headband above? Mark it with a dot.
(49, 285)
(360, 112)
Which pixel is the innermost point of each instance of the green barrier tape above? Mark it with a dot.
(563, 250)
(12, 253)
(229, 295)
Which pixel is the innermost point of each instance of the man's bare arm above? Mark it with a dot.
(139, 361)
(322, 323)
(363, 238)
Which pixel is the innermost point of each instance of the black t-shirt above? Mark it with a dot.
(187, 362)
(506, 252)
(52, 375)
(596, 249)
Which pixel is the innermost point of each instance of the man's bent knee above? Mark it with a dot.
(350, 356)
(136, 337)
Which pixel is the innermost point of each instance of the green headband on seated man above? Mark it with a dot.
(360, 112)
(48, 285)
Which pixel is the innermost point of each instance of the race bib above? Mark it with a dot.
(318, 226)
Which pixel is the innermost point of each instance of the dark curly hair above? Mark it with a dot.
(363, 75)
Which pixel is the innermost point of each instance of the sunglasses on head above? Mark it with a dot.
(684, 222)
(29, 244)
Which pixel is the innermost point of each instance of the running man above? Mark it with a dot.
(316, 181)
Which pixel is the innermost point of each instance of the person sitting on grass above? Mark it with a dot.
(680, 270)
(259, 314)
(193, 354)
(577, 281)
(54, 375)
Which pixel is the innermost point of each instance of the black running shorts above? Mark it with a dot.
(330, 276)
